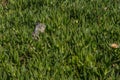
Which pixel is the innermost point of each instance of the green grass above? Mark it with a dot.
(75, 45)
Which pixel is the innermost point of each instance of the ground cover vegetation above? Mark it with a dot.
(75, 44)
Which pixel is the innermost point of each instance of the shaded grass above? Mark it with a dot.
(74, 46)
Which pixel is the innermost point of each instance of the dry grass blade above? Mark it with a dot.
(4, 2)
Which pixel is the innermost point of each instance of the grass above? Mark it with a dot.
(75, 45)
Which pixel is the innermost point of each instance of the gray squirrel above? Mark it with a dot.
(39, 28)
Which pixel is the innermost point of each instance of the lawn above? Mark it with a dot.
(76, 44)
